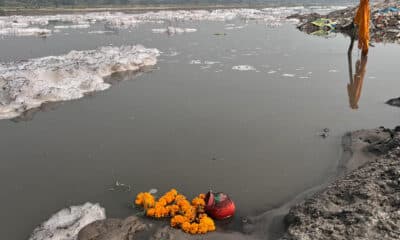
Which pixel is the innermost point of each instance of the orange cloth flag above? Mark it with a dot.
(362, 21)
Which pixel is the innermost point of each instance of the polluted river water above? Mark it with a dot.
(235, 106)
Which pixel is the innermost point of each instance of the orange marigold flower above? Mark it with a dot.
(202, 229)
(145, 199)
(177, 220)
(185, 226)
(162, 202)
(180, 197)
(193, 228)
(173, 209)
(198, 202)
(151, 212)
(189, 216)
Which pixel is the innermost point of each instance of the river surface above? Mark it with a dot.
(192, 122)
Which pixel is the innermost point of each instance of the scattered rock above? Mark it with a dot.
(394, 102)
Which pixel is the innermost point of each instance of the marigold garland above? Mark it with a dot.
(189, 216)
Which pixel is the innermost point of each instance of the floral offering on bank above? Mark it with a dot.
(189, 216)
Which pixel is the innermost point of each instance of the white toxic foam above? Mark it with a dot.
(25, 32)
(244, 68)
(66, 224)
(174, 30)
(288, 75)
(100, 32)
(270, 16)
(211, 62)
(28, 84)
(195, 61)
(75, 26)
(230, 27)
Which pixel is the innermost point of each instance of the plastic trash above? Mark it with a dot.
(324, 23)
(389, 9)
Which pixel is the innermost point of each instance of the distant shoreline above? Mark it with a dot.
(117, 8)
(22, 10)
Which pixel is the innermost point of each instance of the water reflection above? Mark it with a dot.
(354, 88)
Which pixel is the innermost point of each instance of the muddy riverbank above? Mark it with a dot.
(364, 204)
(385, 22)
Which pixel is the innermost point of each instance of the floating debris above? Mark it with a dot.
(153, 191)
(220, 34)
(118, 186)
(325, 133)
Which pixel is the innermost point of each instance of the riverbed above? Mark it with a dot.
(235, 106)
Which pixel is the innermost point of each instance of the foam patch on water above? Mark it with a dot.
(118, 20)
(195, 62)
(24, 32)
(174, 30)
(67, 223)
(100, 32)
(244, 68)
(76, 26)
(211, 62)
(230, 27)
(288, 75)
(28, 84)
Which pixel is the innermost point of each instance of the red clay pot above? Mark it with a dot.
(219, 206)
